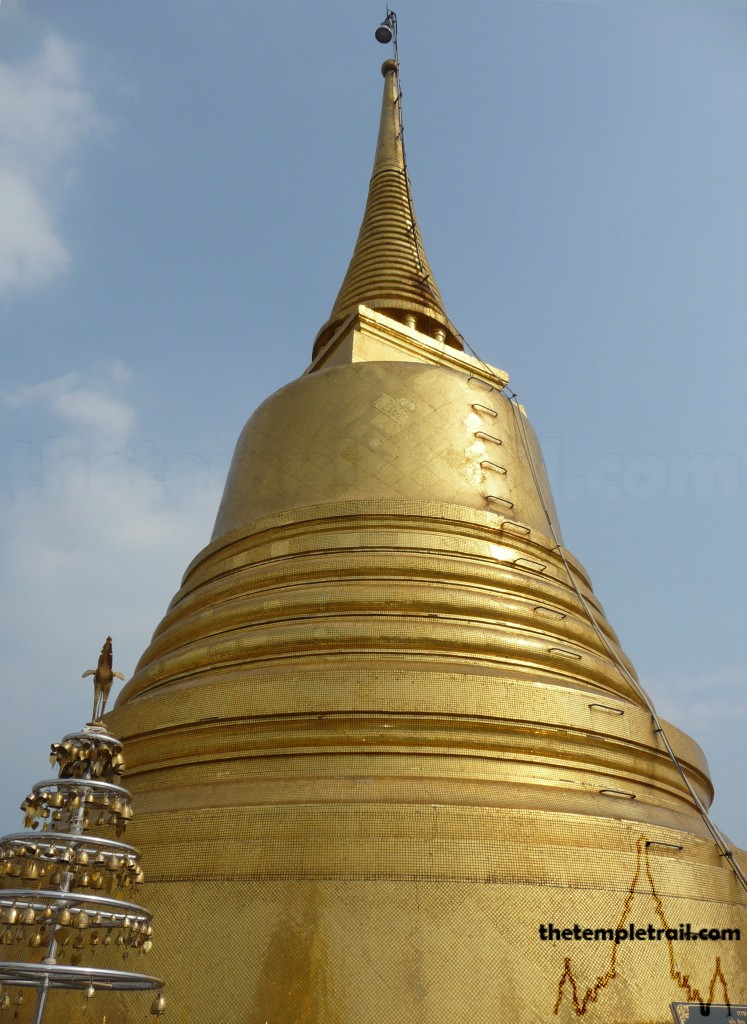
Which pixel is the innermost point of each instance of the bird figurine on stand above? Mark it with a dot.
(103, 677)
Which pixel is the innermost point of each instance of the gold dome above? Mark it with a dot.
(382, 737)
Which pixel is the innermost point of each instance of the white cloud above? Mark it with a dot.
(102, 419)
(718, 698)
(30, 252)
(700, 702)
(45, 114)
(96, 530)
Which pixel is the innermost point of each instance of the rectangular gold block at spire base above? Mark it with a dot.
(368, 336)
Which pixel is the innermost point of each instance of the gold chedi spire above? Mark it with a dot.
(68, 926)
(389, 270)
(389, 760)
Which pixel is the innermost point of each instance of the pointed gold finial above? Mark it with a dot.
(389, 270)
(103, 677)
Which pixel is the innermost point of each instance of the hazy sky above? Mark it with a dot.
(181, 185)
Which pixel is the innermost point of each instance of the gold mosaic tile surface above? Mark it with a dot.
(376, 742)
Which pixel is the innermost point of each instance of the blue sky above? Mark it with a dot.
(180, 190)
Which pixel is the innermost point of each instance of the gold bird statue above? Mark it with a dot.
(103, 677)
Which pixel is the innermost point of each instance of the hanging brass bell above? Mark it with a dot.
(82, 858)
(159, 1005)
(30, 870)
(10, 915)
(81, 920)
(64, 917)
(35, 940)
(28, 916)
(4, 1001)
(90, 991)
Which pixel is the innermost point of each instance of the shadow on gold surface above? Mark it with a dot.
(293, 985)
(580, 1005)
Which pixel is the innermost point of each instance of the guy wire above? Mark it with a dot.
(716, 833)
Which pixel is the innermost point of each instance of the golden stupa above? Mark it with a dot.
(389, 762)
